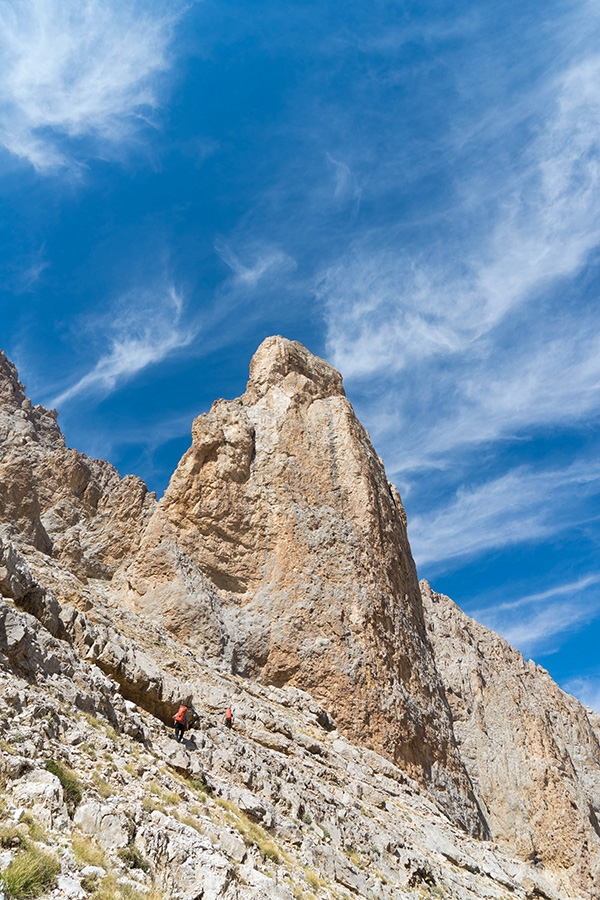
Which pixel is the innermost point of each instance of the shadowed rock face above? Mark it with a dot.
(281, 548)
(75, 509)
(532, 751)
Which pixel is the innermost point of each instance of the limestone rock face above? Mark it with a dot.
(276, 576)
(76, 509)
(532, 751)
(281, 548)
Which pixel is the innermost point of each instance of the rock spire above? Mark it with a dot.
(280, 548)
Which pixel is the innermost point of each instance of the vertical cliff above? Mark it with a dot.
(278, 559)
(532, 751)
(280, 548)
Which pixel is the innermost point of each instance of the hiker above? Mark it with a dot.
(228, 717)
(181, 722)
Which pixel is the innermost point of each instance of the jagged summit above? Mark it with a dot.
(76, 509)
(280, 549)
(12, 392)
(276, 572)
(279, 360)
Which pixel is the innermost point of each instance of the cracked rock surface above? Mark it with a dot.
(384, 744)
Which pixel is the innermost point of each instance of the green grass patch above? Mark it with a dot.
(312, 880)
(149, 804)
(191, 822)
(199, 788)
(36, 832)
(353, 856)
(30, 874)
(102, 785)
(71, 785)
(108, 889)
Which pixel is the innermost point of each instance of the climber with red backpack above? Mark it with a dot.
(181, 722)
(228, 717)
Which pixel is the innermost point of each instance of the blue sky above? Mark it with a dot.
(413, 191)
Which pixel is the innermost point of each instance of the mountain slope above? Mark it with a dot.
(532, 751)
(381, 735)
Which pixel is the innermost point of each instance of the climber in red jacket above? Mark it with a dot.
(181, 722)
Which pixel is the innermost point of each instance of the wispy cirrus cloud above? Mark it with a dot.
(453, 348)
(387, 308)
(536, 622)
(522, 506)
(517, 227)
(254, 262)
(145, 329)
(71, 72)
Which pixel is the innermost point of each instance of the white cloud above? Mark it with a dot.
(254, 262)
(522, 506)
(560, 590)
(146, 329)
(78, 70)
(29, 277)
(543, 629)
(534, 223)
(586, 689)
(539, 622)
(453, 350)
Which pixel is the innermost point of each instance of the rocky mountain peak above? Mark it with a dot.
(61, 502)
(290, 366)
(279, 551)
(12, 392)
(381, 735)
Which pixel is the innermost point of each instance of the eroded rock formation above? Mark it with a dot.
(281, 547)
(77, 509)
(532, 751)
(276, 574)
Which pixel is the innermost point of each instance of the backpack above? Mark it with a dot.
(180, 715)
(228, 714)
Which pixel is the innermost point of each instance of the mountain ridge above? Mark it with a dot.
(279, 552)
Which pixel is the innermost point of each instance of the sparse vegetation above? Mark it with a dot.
(299, 893)
(253, 833)
(199, 788)
(149, 805)
(30, 874)
(352, 855)
(312, 880)
(110, 889)
(191, 822)
(11, 836)
(71, 785)
(103, 786)
(87, 852)
(36, 832)
(133, 859)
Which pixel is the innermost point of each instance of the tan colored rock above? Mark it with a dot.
(281, 548)
(279, 554)
(531, 750)
(78, 510)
